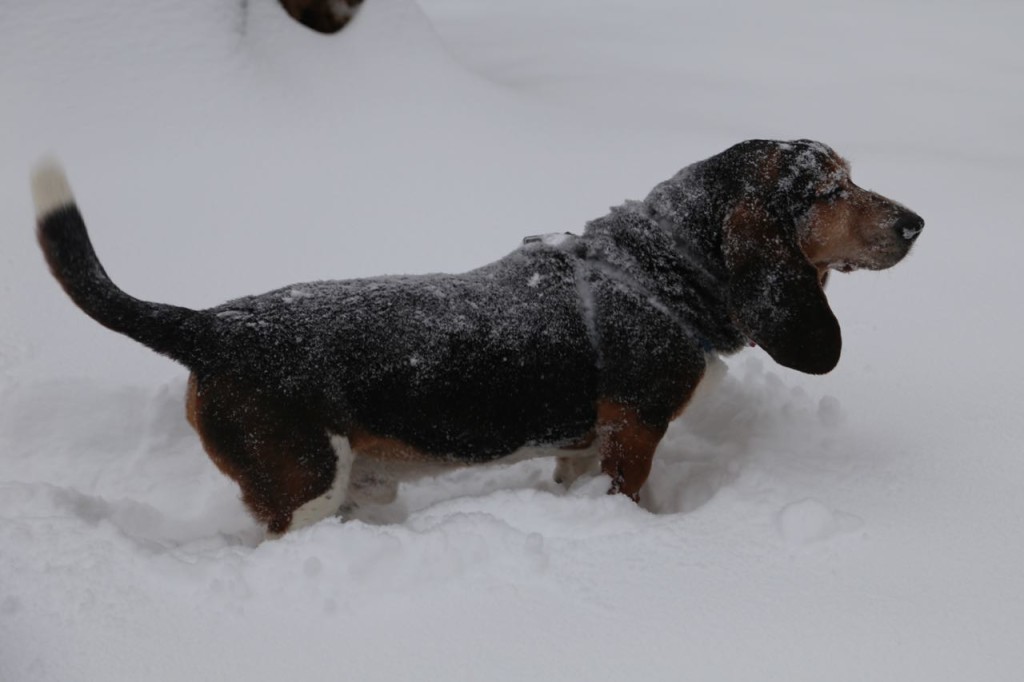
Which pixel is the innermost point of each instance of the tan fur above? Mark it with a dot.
(838, 233)
(367, 444)
(627, 447)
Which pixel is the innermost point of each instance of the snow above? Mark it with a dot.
(866, 524)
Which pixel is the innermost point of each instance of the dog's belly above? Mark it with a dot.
(381, 464)
(482, 421)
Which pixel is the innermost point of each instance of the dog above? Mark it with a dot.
(322, 395)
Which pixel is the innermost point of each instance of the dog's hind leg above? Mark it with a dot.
(292, 471)
(329, 503)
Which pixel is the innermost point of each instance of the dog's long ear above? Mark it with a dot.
(775, 297)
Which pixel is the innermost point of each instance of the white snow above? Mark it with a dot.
(864, 525)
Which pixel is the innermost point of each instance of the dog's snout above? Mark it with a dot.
(909, 226)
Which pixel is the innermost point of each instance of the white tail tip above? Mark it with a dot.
(50, 188)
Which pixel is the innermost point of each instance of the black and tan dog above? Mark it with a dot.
(581, 346)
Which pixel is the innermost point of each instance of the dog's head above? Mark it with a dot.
(792, 215)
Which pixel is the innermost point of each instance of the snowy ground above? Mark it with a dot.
(863, 525)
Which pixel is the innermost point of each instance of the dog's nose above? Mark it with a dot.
(909, 226)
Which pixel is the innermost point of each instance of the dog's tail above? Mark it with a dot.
(176, 332)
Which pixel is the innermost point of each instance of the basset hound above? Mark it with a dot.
(321, 395)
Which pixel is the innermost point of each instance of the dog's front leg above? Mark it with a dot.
(626, 446)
